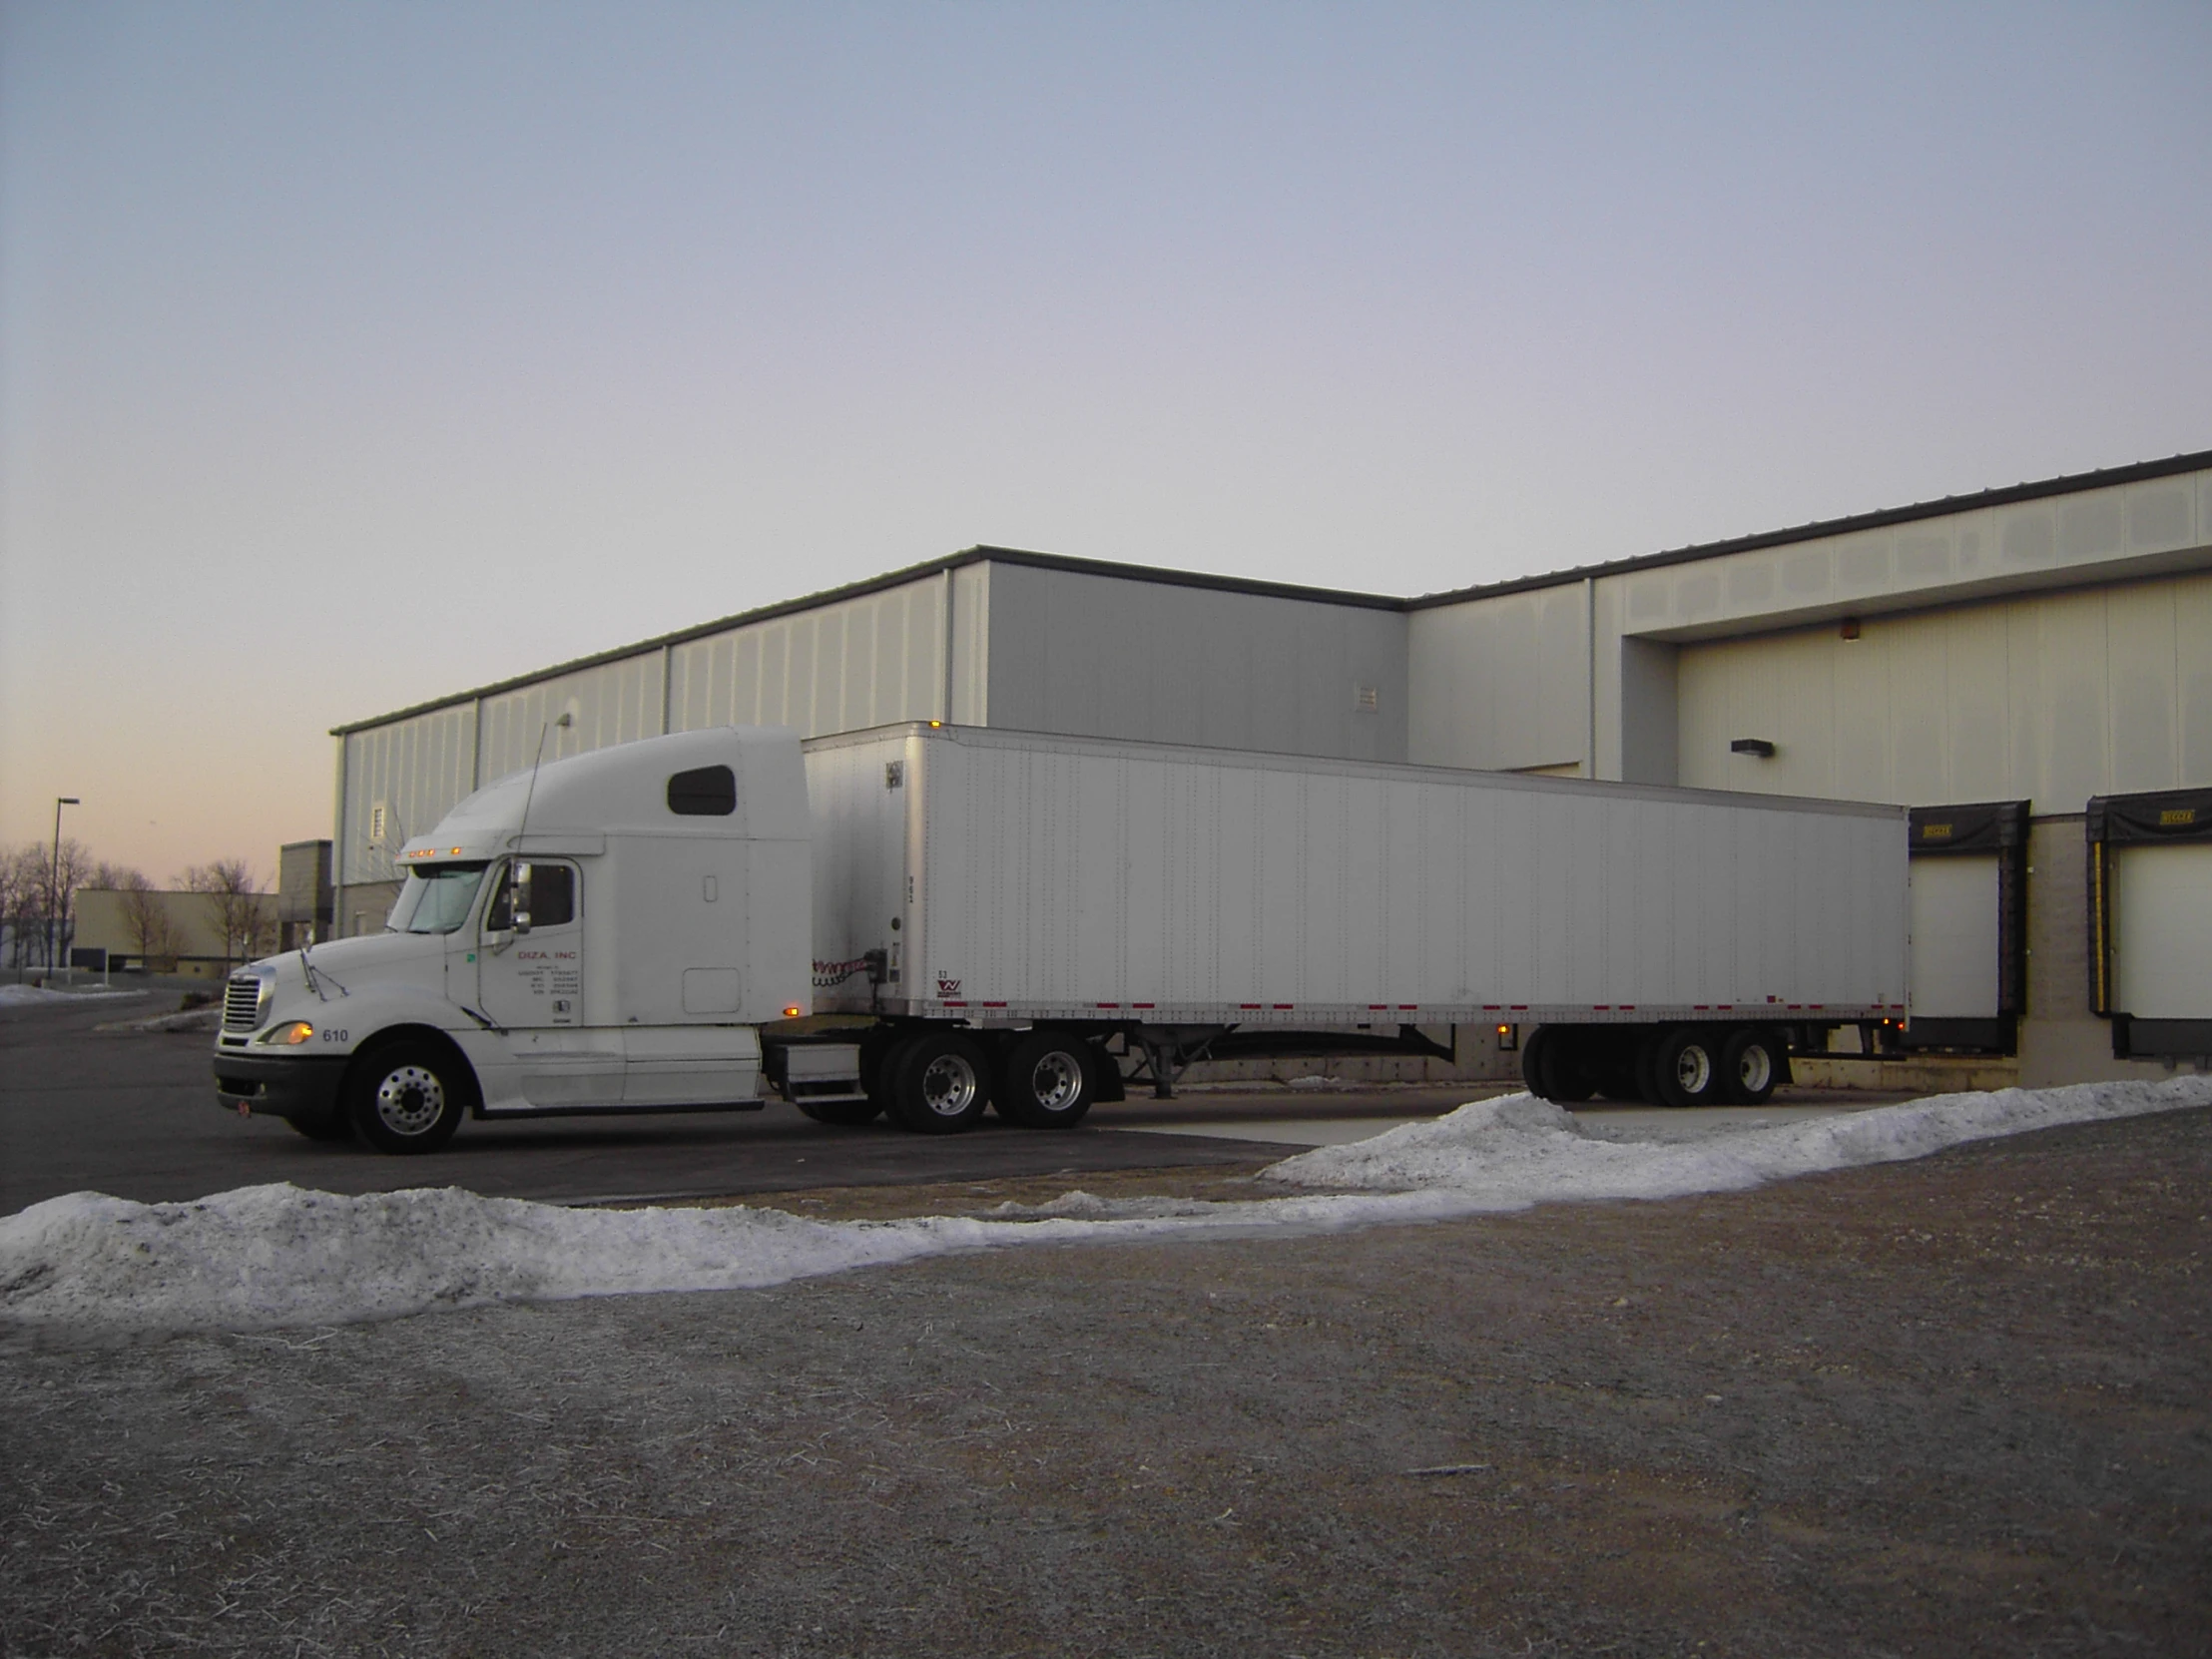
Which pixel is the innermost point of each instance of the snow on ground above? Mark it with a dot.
(280, 1256)
(19, 996)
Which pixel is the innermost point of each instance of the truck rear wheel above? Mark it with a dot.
(938, 1084)
(405, 1096)
(1047, 1080)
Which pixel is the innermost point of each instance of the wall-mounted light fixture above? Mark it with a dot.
(1761, 746)
(1850, 629)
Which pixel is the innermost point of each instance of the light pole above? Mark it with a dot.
(54, 875)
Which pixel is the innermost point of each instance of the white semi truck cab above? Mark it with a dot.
(608, 932)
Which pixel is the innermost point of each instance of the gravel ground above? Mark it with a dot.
(1962, 1406)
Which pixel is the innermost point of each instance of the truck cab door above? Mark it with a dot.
(530, 960)
(531, 983)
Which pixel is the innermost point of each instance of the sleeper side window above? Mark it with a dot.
(704, 792)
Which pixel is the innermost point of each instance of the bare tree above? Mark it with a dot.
(21, 879)
(146, 919)
(237, 904)
(61, 874)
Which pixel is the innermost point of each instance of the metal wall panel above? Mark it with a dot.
(1109, 657)
(415, 769)
(1073, 878)
(2050, 698)
(1500, 683)
(617, 702)
(843, 667)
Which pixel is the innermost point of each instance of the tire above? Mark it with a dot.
(1569, 1066)
(1046, 1080)
(1687, 1067)
(847, 1114)
(407, 1097)
(938, 1084)
(326, 1125)
(1536, 1062)
(1752, 1065)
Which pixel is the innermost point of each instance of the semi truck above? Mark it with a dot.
(925, 921)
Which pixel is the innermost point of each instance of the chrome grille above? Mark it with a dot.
(242, 1002)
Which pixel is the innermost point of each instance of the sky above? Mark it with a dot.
(354, 355)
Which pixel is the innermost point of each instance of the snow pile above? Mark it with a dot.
(18, 996)
(280, 1256)
(1517, 1151)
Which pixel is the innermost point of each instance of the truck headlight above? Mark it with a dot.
(290, 1035)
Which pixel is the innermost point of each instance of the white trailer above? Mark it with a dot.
(1030, 920)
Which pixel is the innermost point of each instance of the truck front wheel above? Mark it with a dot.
(405, 1097)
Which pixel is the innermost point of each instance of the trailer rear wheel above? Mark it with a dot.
(1751, 1066)
(1688, 1067)
(1535, 1061)
(938, 1083)
(1047, 1080)
(1570, 1068)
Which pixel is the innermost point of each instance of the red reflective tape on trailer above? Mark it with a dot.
(1378, 1007)
(1724, 1007)
(1701, 1007)
(1247, 1004)
(1408, 1007)
(1492, 1007)
(1141, 1004)
(1817, 1007)
(1602, 1007)
(1627, 1007)
(1109, 1004)
(1286, 1007)
(994, 1004)
(1518, 1007)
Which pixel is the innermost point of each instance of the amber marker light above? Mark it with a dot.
(934, 725)
(291, 1036)
(792, 1012)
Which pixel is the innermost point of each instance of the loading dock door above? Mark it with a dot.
(1970, 916)
(2162, 930)
(2150, 920)
(1955, 906)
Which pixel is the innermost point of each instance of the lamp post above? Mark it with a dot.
(54, 875)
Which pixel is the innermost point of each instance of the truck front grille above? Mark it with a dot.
(241, 1003)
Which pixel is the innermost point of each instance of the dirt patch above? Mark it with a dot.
(1957, 1406)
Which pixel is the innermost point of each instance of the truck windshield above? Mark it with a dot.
(437, 900)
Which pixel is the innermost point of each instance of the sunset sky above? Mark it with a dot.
(352, 356)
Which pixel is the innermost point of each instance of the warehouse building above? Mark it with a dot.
(2029, 668)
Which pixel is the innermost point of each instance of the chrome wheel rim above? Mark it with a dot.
(1693, 1069)
(1057, 1082)
(948, 1086)
(409, 1100)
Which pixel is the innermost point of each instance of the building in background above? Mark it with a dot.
(2029, 667)
(151, 930)
(306, 900)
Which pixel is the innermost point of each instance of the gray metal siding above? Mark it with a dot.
(416, 768)
(1093, 656)
(618, 702)
(845, 666)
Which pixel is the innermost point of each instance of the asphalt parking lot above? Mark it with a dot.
(134, 1114)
